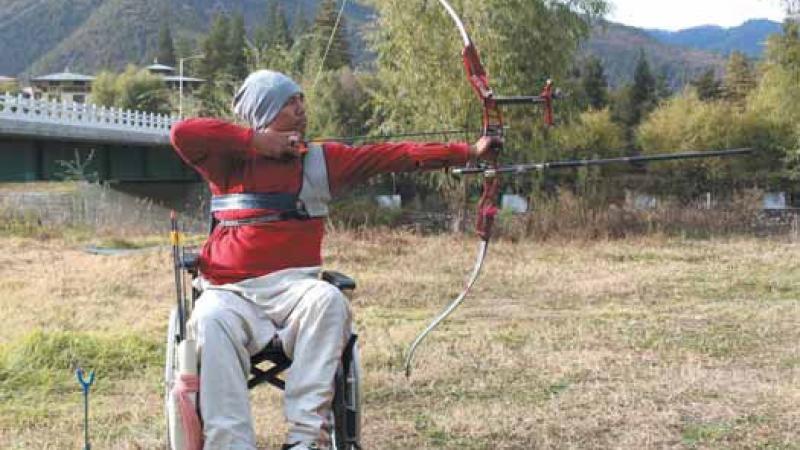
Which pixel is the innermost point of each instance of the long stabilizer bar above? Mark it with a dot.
(540, 167)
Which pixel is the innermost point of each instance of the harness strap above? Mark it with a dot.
(276, 201)
(260, 220)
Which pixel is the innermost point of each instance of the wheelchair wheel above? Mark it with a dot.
(347, 403)
(170, 371)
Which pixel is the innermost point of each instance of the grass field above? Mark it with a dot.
(645, 343)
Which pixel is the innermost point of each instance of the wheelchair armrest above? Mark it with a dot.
(340, 280)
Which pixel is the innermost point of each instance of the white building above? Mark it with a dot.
(65, 86)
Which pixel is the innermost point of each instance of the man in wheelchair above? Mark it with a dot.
(259, 268)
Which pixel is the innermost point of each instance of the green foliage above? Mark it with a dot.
(216, 65)
(708, 86)
(776, 98)
(643, 91)
(686, 123)
(166, 46)
(740, 79)
(594, 134)
(274, 32)
(340, 105)
(594, 83)
(12, 87)
(135, 89)
(104, 89)
(79, 168)
(330, 36)
(235, 49)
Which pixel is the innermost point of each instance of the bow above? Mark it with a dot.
(492, 125)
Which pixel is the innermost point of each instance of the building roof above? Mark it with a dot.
(160, 68)
(64, 76)
(4, 79)
(177, 79)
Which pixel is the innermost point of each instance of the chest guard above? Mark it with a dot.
(310, 203)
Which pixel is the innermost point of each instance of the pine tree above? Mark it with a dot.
(300, 24)
(235, 46)
(213, 68)
(595, 84)
(643, 92)
(663, 90)
(280, 26)
(324, 26)
(166, 46)
(215, 50)
(707, 85)
(274, 31)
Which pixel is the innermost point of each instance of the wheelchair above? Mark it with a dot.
(268, 364)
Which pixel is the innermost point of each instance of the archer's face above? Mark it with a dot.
(292, 117)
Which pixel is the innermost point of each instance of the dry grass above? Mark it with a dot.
(647, 343)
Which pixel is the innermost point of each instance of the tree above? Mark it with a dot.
(592, 135)
(12, 87)
(707, 85)
(185, 47)
(329, 32)
(214, 46)
(643, 91)
(104, 89)
(135, 89)
(142, 91)
(687, 123)
(166, 46)
(633, 102)
(595, 84)
(740, 79)
(339, 106)
(213, 67)
(235, 49)
(663, 90)
(275, 30)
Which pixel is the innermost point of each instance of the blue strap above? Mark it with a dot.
(275, 202)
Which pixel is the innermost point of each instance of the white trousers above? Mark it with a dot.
(232, 322)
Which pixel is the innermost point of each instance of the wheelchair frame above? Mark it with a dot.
(267, 365)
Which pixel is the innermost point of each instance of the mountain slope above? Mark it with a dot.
(29, 28)
(45, 35)
(747, 38)
(618, 47)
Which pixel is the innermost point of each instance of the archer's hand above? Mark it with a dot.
(277, 144)
(486, 147)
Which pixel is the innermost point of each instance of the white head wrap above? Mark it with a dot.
(262, 96)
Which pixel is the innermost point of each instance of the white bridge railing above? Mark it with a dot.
(18, 107)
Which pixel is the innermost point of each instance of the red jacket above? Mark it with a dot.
(221, 152)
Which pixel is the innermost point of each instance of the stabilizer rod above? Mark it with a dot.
(540, 167)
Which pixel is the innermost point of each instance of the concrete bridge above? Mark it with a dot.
(39, 138)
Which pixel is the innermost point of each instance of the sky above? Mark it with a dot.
(678, 14)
